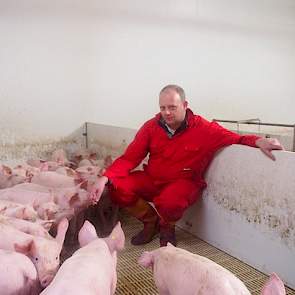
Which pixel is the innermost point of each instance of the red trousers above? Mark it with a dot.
(170, 199)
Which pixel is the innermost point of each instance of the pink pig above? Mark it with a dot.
(53, 179)
(43, 252)
(177, 272)
(13, 209)
(32, 228)
(18, 274)
(91, 270)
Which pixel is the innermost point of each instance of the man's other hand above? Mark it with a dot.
(267, 145)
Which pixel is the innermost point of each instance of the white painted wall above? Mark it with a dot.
(65, 62)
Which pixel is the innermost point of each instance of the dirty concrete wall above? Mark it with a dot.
(15, 151)
(248, 209)
(109, 140)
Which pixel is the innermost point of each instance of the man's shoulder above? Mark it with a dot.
(199, 121)
(150, 124)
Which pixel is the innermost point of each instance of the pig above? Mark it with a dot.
(43, 252)
(28, 171)
(24, 196)
(177, 272)
(5, 170)
(70, 200)
(35, 162)
(37, 196)
(84, 162)
(18, 274)
(39, 229)
(66, 171)
(13, 209)
(91, 270)
(53, 180)
(80, 155)
(7, 181)
(40, 201)
(59, 156)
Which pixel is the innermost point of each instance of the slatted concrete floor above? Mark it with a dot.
(136, 280)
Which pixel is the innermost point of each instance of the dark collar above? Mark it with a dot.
(184, 124)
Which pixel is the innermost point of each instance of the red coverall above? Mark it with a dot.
(174, 176)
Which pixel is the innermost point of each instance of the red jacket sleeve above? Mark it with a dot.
(222, 137)
(132, 157)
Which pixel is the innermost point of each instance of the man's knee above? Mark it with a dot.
(122, 195)
(171, 212)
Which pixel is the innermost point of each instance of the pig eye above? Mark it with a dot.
(36, 258)
(56, 258)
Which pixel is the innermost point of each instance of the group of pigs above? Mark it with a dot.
(43, 195)
(39, 196)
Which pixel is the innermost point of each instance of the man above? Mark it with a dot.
(180, 146)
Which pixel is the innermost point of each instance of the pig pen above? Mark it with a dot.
(245, 220)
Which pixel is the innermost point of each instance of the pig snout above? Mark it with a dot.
(46, 280)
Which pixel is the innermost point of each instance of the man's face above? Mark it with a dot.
(172, 108)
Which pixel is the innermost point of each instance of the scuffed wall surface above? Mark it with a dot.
(15, 149)
(262, 191)
(109, 140)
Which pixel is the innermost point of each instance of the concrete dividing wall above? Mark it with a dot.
(248, 209)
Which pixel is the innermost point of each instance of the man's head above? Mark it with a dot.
(173, 105)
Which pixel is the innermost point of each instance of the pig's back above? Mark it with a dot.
(89, 272)
(53, 180)
(192, 274)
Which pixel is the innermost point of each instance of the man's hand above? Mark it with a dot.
(267, 145)
(98, 189)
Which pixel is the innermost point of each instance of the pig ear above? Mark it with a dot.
(46, 224)
(44, 166)
(170, 245)
(116, 239)
(87, 234)
(7, 170)
(79, 181)
(108, 161)
(70, 172)
(146, 259)
(25, 247)
(61, 231)
(75, 198)
(82, 185)
(273, 286)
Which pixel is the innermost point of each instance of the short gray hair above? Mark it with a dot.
(176, 88)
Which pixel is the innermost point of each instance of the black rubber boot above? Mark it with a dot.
(167, 234)
(144, 212)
